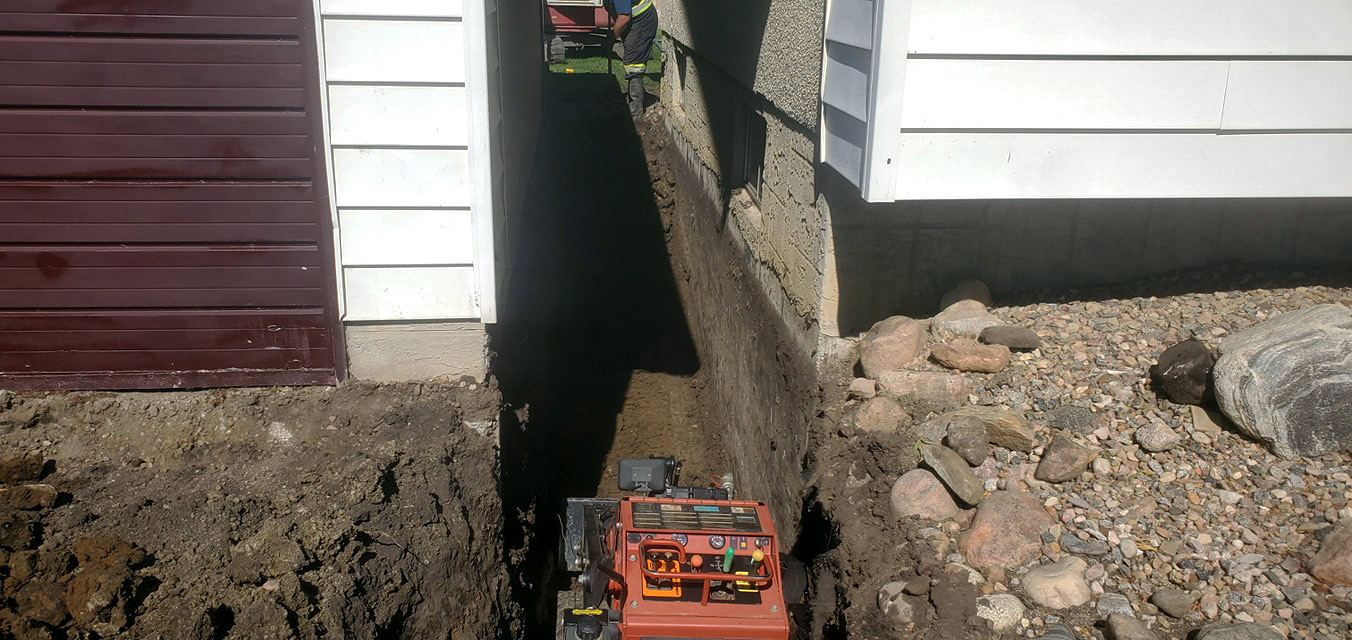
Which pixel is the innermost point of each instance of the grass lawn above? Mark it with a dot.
(593, 60)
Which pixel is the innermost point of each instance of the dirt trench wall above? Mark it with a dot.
(363, 511)
(761, 379)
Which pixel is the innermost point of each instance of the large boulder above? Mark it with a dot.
(924, 391)
(954, 471)
(919, 493)
(1006, 532)
(1004, 428)
(978, 358)
(1288, 381)
(967, 290)
(891, 344)
(964, 319)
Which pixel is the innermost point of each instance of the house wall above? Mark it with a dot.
(771, 47)
(420, 163)
(837, 263)
(1035, 99)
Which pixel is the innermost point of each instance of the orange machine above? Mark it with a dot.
(679, 563)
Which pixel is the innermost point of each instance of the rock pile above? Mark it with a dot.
(1111, 492)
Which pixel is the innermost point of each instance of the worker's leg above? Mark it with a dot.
(638, 47)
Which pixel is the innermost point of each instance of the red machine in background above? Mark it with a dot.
(675, 562)
(583, 22)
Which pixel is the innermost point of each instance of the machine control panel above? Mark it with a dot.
(677, 544)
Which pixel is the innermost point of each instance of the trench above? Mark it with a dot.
(625, 333)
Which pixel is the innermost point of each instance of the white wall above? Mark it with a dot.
(399, 129)
(997, 99)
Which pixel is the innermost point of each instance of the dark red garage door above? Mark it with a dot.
(163, 207)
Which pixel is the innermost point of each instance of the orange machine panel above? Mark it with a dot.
(698, 569)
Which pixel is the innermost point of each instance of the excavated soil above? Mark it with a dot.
(362, 511)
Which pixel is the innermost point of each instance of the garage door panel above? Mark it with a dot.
(186, 320)
(124, 49)
(173, 97)
(163, 200)
(108, 23)
(154, 146)
(277, 8)
(157, 74)
(148, 299)
(112, 191)
(186, 168)
(158, 122)
(241, 214)
(160, 232)
(168, 339)
(54, 259)
(91, 278)
(267, 358)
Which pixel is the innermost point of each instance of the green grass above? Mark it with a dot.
(593, 60)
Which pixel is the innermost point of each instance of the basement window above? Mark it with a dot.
(753, 153)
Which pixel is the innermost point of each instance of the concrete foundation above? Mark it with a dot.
(416, 351)
(754, 348)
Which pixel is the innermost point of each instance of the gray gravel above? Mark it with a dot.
(1216, 515)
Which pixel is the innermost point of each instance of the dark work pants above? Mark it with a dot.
(638, 47)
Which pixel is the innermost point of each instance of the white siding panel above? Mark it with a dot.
(413, 293)
(851, 22)
(843, 142)
(413, 8)
(1306, 94)
(407, 237)
(1012, 165)
(1063, 94)
(846, 80)
(394, 51)
(1140, 27)
(395, 178)
(401, 116)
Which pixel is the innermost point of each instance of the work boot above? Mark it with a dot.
(636, 95)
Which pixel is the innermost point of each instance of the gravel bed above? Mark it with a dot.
(1216, 516)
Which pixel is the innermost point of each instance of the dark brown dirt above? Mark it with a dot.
(665, 414)
(361, 511)
(854, 471)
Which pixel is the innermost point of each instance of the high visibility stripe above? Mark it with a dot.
(641, 7)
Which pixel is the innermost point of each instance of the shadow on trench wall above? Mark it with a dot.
(592, 300)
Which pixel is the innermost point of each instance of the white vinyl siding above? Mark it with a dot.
(397, 8)
(401, 177)
(412, 293)
(399, 130)
(1182, 28)
(394, 51)
(406, 116)
(403, 237)
(993, 99)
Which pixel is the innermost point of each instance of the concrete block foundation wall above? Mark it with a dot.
(784, 231)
